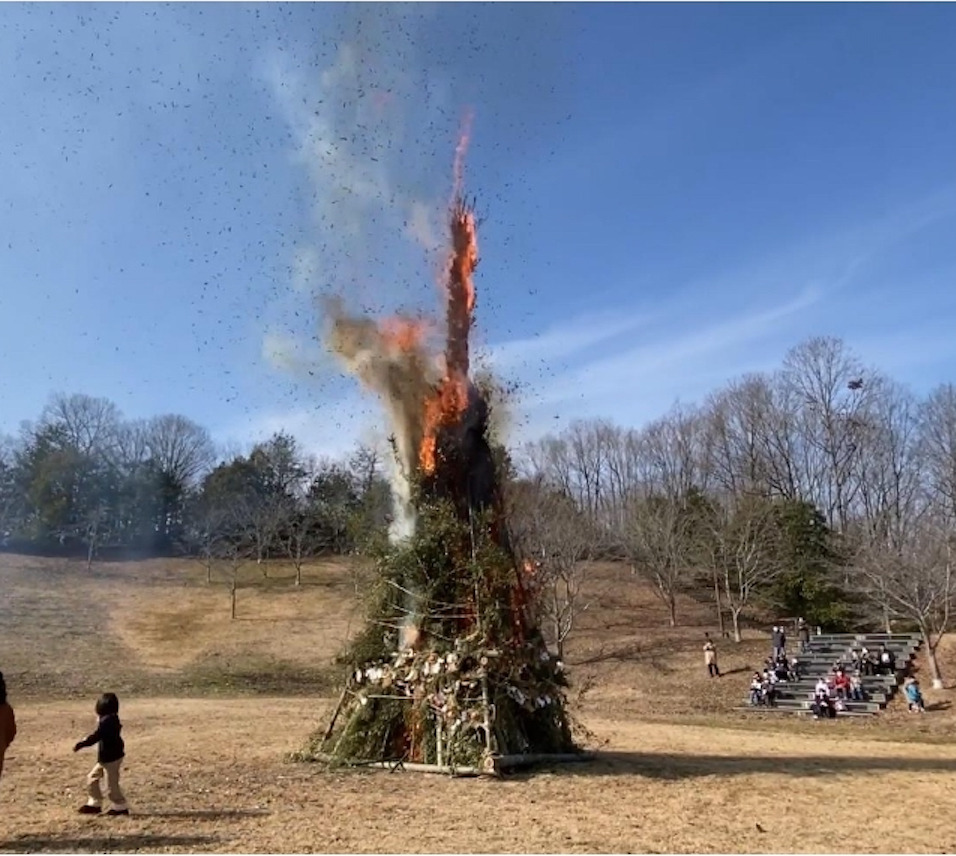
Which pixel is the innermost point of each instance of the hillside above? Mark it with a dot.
(157, 628)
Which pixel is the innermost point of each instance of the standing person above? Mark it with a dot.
(803, 635)
(8, 722)
(109, 757)
(776, 641)
(710, 657)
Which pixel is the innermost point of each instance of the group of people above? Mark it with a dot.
(866, 662)
(110, 752)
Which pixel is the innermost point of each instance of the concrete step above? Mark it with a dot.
(795, 704)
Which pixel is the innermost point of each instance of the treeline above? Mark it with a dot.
(823, 489)
(81, 479)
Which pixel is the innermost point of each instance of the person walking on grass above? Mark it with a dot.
(710, 657)
(109, 757)
(8, 722)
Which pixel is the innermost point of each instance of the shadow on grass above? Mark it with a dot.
(206, 814)
(119, 843)
(674, 767)
(939, 705)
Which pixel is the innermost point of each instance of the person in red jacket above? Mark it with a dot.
(8, 722)
(841, 684)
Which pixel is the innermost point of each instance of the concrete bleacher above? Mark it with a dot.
(823, 653)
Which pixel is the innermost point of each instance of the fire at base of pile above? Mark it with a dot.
(477, 684)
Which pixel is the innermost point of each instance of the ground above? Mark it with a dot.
(213, 707)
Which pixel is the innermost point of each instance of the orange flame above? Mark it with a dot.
(403, 334)
(448, 401)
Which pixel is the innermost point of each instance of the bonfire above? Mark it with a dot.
(451, 672)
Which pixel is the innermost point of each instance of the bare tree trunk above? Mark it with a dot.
(720, 611)
(89, 555)
(735, 619)
(672, 607)
(935, 672)
(232, 594)
(209, 573)
(887, 621)
(298, 572)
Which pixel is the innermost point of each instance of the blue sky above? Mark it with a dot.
(672, 195)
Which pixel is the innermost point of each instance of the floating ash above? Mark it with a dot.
(450, 669)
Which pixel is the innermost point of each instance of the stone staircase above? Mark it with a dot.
(823, 653)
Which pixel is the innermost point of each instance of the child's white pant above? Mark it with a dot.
(112, 772)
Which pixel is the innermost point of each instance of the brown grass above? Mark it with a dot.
(211, 712)
(210, 775)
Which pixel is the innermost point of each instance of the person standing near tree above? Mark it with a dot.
(710, 657)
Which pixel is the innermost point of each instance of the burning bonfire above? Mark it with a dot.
(451, 671)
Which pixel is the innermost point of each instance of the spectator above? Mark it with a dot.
(841, 685)
(856, 687)
(781, 669)
(822, 705)
(776, 641)
(803, 635)
(867, 665)
(913, 696)
(710, 657)
(756, 690)
(769, 689)
(887, 661)
(794, 669)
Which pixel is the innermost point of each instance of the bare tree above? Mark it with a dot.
(300, 538)
(182, 449)
(834, 391)
(741, 542)
(556, 541)
(657, 538)
(938, 445)
(90, 425)
(913, 576)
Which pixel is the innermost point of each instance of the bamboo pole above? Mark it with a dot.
(335, 715)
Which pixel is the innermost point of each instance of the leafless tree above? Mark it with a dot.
(938, 445)
(913, 576)
(658, 540)
(557, 542)
(183, 450)
(90, 425)
(741, 542)
(834, 391)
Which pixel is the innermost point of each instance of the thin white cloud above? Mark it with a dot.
(331, 429)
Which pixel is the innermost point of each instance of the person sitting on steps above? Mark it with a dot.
(841, 684)
(887, 661)
(856, 687)
(822, 705)
(769, 689)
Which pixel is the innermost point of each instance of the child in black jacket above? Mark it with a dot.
(109, 758)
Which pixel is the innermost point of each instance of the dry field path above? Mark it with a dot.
(210, 775)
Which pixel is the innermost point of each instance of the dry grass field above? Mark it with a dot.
(212, 707)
